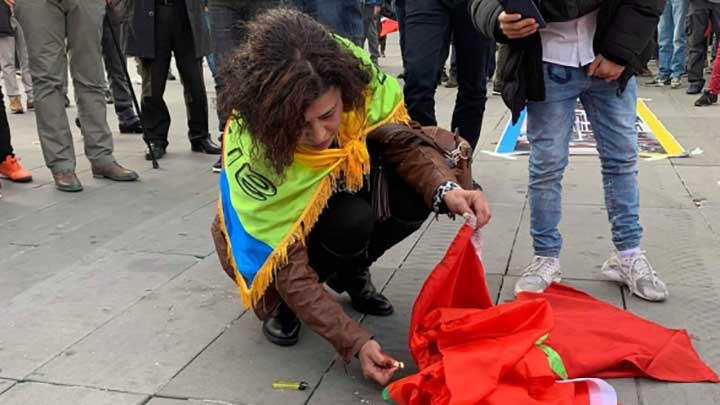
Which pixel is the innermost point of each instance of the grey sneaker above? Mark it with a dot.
(539, 274)
(637, 274)
(658, 82)
(675, 83)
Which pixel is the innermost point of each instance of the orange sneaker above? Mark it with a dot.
(11, 169)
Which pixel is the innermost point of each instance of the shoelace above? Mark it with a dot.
(542, 267)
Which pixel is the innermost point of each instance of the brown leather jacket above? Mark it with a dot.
(298, 285)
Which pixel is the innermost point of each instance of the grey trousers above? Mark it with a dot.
(370, 29)
(699, 13)
(8, 45)
(47, 24)
(117, 82)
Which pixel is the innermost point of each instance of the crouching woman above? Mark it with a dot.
(308, 110)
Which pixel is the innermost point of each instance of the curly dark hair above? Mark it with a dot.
(288, 61)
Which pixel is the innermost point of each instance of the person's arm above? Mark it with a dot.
(631, 29)
(427, 172)
(299, 287)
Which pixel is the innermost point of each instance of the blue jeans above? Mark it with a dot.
(672, 39)
(344, 17)
(549, 128)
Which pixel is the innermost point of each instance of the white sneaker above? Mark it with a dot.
(539, 274)
(637, 274)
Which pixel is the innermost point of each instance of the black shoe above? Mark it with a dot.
(132, 128)
(158, 151)
(706, 99)
(171, 77)
(283, 328)
(365, 298)
(217, 166)
(109, 97)
(206, 146)
(451, 83)
(695, 87)
(77, 122)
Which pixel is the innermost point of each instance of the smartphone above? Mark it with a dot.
(526, 8)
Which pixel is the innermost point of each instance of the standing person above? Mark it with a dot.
(47, 24)
(710, 96)
(11, 42)
(549, 70)
(699, 13)
(227, 18)
(371, 15)
(158, 30)
(429, 25)
(345, 17)
(672, 40)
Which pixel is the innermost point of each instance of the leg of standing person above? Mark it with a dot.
(128, 121)
(7, 64)
(473, 54)
(613, 117)
(665, 46)
(22, 56)
(155, 114)
(697, 20)
(9, 166)
(191, 75)
(344, 17)
(84, 33)
(370, 32)
(44, 25)
(677, 64)
(710, 96)
(427, 32)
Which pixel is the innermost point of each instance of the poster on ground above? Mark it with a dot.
(654, 140)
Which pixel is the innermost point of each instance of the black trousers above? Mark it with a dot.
(173, 36)
(348, 237)
(6, 148)
(699, 13)
(115, 73)
(429, 25)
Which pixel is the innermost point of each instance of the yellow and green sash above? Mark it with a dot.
(262, 215)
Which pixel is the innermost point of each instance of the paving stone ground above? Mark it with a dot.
(114, 295)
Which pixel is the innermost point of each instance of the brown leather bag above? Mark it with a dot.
(456, 150)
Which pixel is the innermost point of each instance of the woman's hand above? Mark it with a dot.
(461, 202)
(514, 26)
(376, 365)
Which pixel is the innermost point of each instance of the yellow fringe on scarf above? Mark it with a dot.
(354, 166)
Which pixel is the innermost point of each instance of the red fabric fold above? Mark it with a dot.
(470, 352)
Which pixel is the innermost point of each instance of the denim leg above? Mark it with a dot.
(679, 12)
(665, 41)
(613, 120)
(549, 128)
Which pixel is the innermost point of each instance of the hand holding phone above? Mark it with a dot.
(514, 26)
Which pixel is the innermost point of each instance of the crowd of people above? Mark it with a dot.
(324, 165)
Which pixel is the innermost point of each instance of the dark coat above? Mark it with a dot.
(6, 29)
(623, 35)
(141, 28)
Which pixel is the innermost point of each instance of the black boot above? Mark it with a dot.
(365, 297)
(283, 328)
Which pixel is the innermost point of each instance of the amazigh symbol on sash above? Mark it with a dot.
(254, 184)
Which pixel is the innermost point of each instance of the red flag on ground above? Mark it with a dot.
(469, 352)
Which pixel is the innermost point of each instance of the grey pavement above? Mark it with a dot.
(114, 295)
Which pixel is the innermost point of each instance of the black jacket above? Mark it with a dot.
(141, 28)
(623, 34)
(6, 29)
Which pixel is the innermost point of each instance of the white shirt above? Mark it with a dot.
(570, 43)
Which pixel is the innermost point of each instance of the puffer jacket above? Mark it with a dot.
(298, 284)
(623, 34)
